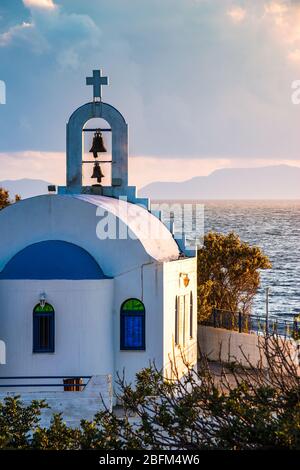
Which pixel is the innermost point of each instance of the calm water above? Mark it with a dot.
(275, 227)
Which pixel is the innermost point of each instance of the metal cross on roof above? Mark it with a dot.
(97, 80)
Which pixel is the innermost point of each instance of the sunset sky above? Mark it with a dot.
(203, 84)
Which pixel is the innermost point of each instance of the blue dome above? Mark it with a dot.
(52, 259)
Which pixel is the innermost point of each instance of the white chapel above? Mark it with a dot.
(92, 283)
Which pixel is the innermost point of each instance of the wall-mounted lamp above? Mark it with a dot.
(42, 299)
(185, 278)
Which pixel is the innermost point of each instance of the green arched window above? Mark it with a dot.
(132, 325)
(43, 329)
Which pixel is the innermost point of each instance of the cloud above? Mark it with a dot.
(44, 4)
(276, 8)
(51, 166)
(68, 36)
(175, 170)
(284, 19)
(294, 56)
(237, 14)
(15, 32)
(188, 82)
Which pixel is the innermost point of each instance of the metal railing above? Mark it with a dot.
(70, 383)
(244, 323)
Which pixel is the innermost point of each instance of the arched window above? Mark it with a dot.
(43, 329)
(132, 325)
(191, 314)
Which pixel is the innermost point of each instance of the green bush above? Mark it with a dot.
(238, 408)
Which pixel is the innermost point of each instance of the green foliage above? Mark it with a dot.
(237, 408)
(57, 437)
(241, 408)
(228, 274)
(5, 200)
(17, 422)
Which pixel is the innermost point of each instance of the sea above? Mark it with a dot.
(274, 226)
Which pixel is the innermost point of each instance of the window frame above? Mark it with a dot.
(176, 335)
(36, 347)
(191, 314)
(132, 313)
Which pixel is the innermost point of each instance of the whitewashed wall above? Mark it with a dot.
(156, 285)
(232, 346)
(83, 327)
(173, 285)
(87, 312)
(87, 322)
(145, 284)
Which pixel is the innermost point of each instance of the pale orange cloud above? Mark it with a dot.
(50, 166)
(285, 20)
(237, 14)
(276, 7)
(294, 56)
(45, 4)
(8, 36)
(145, 170)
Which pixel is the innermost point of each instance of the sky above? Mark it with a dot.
(203, 84)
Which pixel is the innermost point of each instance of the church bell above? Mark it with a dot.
(98, 144)
(97, 172)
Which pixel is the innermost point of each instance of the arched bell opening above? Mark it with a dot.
(97, 153)
(119, 143)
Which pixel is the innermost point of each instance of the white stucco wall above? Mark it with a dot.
(174, 286)
(145, 284)
(83, 327)
(87, 318)
(156, 285)
(234, 347)
(87, 322)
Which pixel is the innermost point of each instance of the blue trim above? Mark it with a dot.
(132, 329)
(52, 259)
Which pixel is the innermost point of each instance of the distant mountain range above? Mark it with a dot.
(271, 182)
(25, 187)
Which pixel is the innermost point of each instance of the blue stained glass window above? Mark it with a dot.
(132, 325)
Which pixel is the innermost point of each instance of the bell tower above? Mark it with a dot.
(119, 131)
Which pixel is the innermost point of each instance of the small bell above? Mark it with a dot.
(97, 172)
(98, 144)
